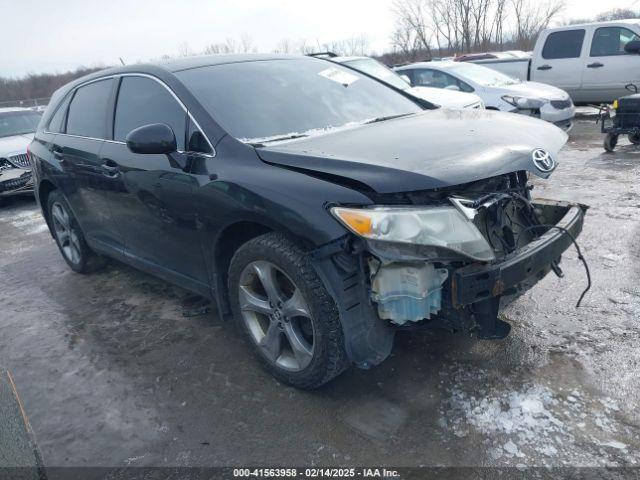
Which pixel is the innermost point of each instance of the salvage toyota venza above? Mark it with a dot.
(318, 206)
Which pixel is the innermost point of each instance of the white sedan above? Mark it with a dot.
(443, 98)
(497, 90)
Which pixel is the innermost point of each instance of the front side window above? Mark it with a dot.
(438, 79)
(609, 41)
(142, 101)
(88, 110)
(563, 44)
(261, 101)
(18, 123)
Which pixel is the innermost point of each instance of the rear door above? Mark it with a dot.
(154, 204)
(608, 68)
(77, 148)
(558, 59)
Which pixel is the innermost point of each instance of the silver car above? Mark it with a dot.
(497, 90)
(17, 126)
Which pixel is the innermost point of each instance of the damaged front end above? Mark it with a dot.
(442, 258)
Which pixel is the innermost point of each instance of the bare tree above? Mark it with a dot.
(246, 43)
(413, 15)
(184, 50)
(532, 18)
(617, 14)
(459, 26)
(358, 45)
(404, 40)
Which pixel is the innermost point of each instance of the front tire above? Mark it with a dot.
(610, 142)
(69, 236)
(285, 310)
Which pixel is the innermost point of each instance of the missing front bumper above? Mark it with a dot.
(478, 282)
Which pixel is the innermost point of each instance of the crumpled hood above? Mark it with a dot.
(535, 89)
(14, 145)
(444, 97)
(434, 149)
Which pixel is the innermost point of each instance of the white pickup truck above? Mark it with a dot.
(593, 62)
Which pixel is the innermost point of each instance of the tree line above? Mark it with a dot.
(40, 85)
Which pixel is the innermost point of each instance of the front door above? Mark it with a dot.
(608, 68)
(154, 205)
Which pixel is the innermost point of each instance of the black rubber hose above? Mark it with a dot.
(580, 256)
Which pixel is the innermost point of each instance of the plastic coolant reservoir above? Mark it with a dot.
(407, 292)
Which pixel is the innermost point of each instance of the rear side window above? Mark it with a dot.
(609, 41)
(564, 44)
(142, 101)
(88, 110)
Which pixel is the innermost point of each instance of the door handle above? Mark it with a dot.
(57, 154)
(110, 168)
(595, 65)
(545, 67)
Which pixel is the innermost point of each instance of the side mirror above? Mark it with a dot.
(405, 78)
(156, 138)
(632, 46)
(452, 87)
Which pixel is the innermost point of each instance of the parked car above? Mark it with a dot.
(497, 90)
(17, 126)
(443, 98)
(592, 62)
(320, 207)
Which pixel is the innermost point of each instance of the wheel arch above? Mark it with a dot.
(230, 239)
(44, 190)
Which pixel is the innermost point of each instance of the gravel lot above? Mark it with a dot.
(112, 374)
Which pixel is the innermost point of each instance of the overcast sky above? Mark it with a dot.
(59, 35)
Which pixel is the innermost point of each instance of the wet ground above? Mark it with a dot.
(112, 374)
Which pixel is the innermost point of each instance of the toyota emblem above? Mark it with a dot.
(542, 160)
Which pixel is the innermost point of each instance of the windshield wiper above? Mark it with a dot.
(388, 117)
(278, 139)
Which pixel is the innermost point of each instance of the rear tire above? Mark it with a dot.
(286, 312)
(610, 142)
(69, 236)
(634, 138)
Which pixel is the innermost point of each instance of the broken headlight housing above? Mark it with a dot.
(443, 227)
(528, 103)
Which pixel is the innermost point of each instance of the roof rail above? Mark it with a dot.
(322, 54)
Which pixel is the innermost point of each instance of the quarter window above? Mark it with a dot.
(142, 101)
(88, 110)
(196, 141)
(56, 124)
(563, 44)
(609, 41)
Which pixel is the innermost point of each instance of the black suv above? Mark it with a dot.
(319, 206)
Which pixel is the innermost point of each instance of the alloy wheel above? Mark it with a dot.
(276, 316)
(65, 233)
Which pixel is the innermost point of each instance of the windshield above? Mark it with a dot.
(17, 123)
(279, 99)
(378, 70)
(482, 75)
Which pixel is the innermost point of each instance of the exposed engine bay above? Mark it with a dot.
(416, 286)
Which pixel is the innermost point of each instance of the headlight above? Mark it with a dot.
(443, 227)
(524, 102)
